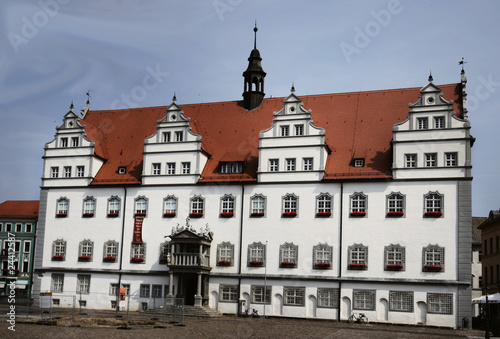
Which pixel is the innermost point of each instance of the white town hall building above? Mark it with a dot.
(308, 206)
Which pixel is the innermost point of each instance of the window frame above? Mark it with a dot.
(284, 130)
(299, 129)
(290, 164)
(394, 258)
(228, 293)
(258, 207)
(308, 164)
(110, 249)
(444, 304)
(357, 257)
(186, 167)
(260, 294)
(57, 285)
(85, 250)
(54, 172)
(411, 160)
(156, 168)
(439, 122)
(62, 207)
(288, 255)
(138, 251)
(322, 256)
(225, 254)
(145, 291)
(290, 205)
(422, 123)
(294, 296)
(89, 206)
(401, 301)
(363, 300)
(274, 165)
(327, 297)
(113, 202)
(83, 283)
(67, 171)
(80, 171)
(450, 159)
(324, 205)
(256, 254)
(59, 248)
(171, 167)
(395, 204)
(197, 206)
(227, 205)
(434, 204)
(170, 203)
(141, 206)
(433, 258)
(358, 204)
(431, 160)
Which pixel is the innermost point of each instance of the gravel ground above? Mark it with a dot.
(233, 327)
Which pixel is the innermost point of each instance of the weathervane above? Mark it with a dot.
(462, 62)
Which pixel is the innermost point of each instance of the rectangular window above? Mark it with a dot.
(170, 168)
(80, 171)
(261, 295)
(284, 131)
(421, 123)
(89, 206)
(394, 257)
(294, 296)
(328, 297)
(400, 301)
(308, 164)
(157, 291)
(74, 141)
(438, 122)
(166, 137)
(144, 291)
(364, 300)
(258, 205)
(228, 293)
(8, 227)
(83, 283)
(29, 228)
(179, 136)
(299, 129)
(451, 159)
(19, 227)
(431, 160)
(410, 160)
(273, 165)
(114, 206)
(27, 246)
(57, 282)
(186, 168)
(440, 303)
(67, 171)
(290, 164)
(138, 252)
(64, 142)
(54, 172)
(156, 169)
(113, 289)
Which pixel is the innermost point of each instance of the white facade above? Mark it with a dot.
(395, 249)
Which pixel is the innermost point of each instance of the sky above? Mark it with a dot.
(131, 53)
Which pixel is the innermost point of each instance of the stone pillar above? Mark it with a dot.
(198, 298)
(170, 297)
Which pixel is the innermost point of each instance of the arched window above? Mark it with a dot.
(322, 256)
(395, 204)
(197, 206)
(258, 205)
(433, 258)
(113, 206)
(433, 205)
(290, 205)
(227, 206)
(141, 206)
(324, 205)
(88, 207)
(62, 207)
(359, 205)
(256, 254)
(170, 206)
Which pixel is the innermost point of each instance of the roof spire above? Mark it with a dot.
(293, 88)
(174, 99)
(71, 106)
(88, 97)
(430, 76)
(255, 29)
(462, 62)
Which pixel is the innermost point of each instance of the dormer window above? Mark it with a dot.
(438, 122)
(178, 136)
(285, 130)
(166, 137)
(64, 142)
(359, 162)
(122, 170)
(74, 142)
(231, 167)
(422, 123)
(299, 129)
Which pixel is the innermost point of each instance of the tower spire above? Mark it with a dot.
(253, 92)
(255, 29)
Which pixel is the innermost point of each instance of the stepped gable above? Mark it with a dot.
(357, 125)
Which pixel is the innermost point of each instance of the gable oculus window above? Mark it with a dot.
(322, 256)
(433, 205)
(357, 257)
(394, 256)
(256, 254)
(395, 205)
(58, 250)
(85, 250)
(358, 204)
(141, 206)
(290, 205)
(170, 206)
(324, 205)
(433, 258)
(62, 207)
(225, 254)
(410, 160)
(227, 206)
(289, 255)
(113, 206)
(110, 251)
(257, 205)
(197, 207)
(88, 207)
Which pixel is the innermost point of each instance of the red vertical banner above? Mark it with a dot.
(138, 230)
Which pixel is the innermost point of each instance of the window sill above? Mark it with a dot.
(433, 214)
(112, 215)
(87, 215)
(61, 215)
(135, 260)
(432, 268)
(255, 263)
(195, 215)
(323, 214)
(322, 266)
(359, 267)
(394, 267)
(226, 214)
(109, 259)
(140, 215)
(288, 265)
(58, 258)
(84, 258)
(289, 214)
(358, 214)
(169, 215)
(257, 215)
(395, 214)
(224, 263)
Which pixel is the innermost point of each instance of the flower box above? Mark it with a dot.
(255, 263)
(432, 268)
(88, 215)
(224, 263)
(358, 214)
(357, 266)
(436, 214)
(226, 214)
(57, 257)
(289, 214)
(288, 264)
(140, 215)
(113, 215)
(169, 214)
(109, 259)
(395, 214)
(322, 265)
(61, 215)
(84, 258)
(136, 260)
(257, 214)
(323, 214)
(394, 267)
(195, 215)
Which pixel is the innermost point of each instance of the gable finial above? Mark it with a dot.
(293, 88)
(71, 106)
(174, 99)
(88, 96)
(462, 62)
(430, 76)
(255, 29)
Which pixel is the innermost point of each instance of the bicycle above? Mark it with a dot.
(361, 318)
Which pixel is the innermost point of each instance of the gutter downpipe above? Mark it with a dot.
(121, 253)
(340, 249)
(241, 245)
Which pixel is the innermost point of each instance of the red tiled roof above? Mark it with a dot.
(19, 209)
(357, 125)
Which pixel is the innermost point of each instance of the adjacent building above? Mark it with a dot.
(18, 221)
(490, 239)
(311, 206)
(477, 268)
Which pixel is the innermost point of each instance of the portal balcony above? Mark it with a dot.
(191, 260)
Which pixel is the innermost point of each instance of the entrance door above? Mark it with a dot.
(189, 283)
